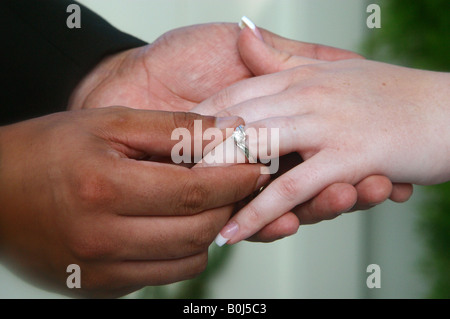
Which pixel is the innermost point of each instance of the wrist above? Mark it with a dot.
(16, 169)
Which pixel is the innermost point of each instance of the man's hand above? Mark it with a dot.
(175, 73)
(75, 188)
(188, 65)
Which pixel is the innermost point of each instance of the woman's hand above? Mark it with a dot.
(347, 120)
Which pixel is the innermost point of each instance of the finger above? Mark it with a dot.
(284, 226)
(158, 132)
(289, 190)
(308, 50)
(267, 141)
(277, 136)
(328, 204)
(262, 107)
(259, 97)
(265, 106)
(225, 154)
(141, 238)
(161, 272)
(262, 58)
(243, 91)
(372, 191)
(148, 188)
(401, 192)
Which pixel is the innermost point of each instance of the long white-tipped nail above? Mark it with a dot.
(220, 240)
(246, 22)
(226, 233)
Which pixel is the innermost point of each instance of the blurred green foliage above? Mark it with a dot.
(436, 228)
(417, 34)
(413, 33)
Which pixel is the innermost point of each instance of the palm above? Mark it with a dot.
(175, 73)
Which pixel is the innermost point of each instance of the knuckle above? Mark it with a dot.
(253, 215)
(315, 51)
(183, 120)
(225, 113)
(192, 199)
(319, 90)
(201, 239)
(284, 59)
(288, 188)
(94, 188)
(311, 71)
(221, 100)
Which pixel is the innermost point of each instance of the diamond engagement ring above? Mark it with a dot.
(239, 139)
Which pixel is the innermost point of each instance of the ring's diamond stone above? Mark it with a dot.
(239, 138)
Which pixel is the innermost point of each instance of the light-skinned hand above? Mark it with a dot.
(347, 119)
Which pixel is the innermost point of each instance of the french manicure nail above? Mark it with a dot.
(226, 122)
(246, 22)
(226, 233)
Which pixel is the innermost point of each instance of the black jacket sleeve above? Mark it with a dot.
(42, 60)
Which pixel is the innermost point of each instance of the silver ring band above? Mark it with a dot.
(239, 137)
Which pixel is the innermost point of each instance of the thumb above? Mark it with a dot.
(260, 57)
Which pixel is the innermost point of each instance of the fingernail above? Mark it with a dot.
(265, 170)
(262, 181)
(226, 233)
(246, 22)
(226, 122)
